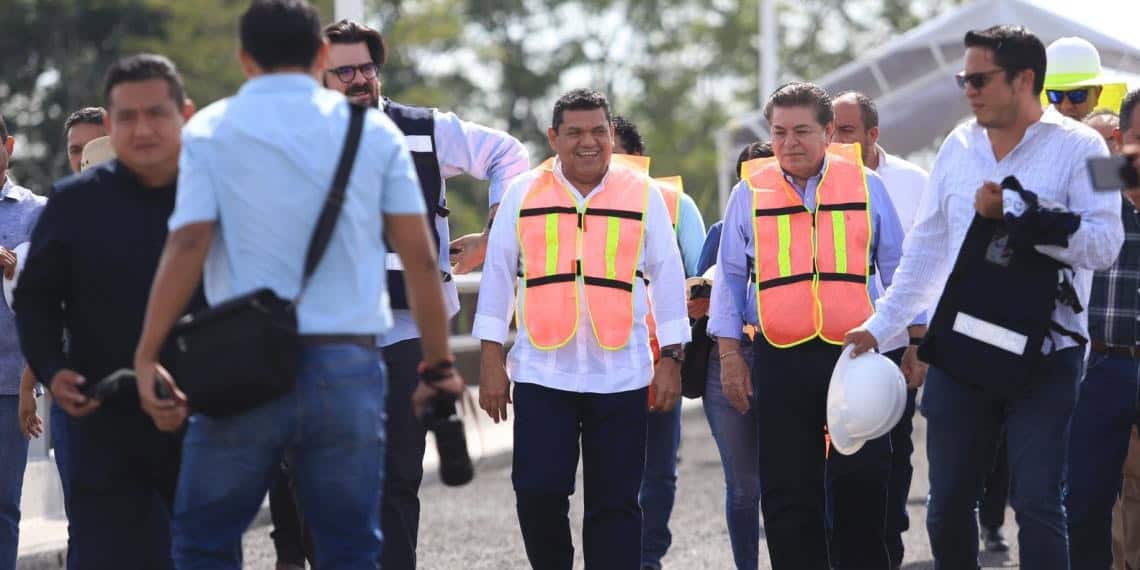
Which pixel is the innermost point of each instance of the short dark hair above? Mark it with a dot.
(629, 135)
(352, 32)
(868, 110)
(281, 33)
(1127, 108)
(758, 149)
(84, 116)
(801, 94)
(144, 67)
(582, 99)
(3, 130)
(1015, 50)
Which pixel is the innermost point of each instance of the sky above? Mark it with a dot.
(1116, 17)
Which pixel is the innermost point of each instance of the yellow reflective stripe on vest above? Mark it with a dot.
(839, 236)
(613, 232)
(551, 244)
(784, 229)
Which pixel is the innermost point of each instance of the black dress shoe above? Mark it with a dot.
(993, 541)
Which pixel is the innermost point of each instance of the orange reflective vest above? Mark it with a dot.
(811, 271)
(599, 246)
(671, 190)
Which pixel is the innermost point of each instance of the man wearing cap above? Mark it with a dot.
(19, 211)
(659, 484)
(581, 362)
(442, 146)
(1075, 82)
(804, 233)
(1107, 408)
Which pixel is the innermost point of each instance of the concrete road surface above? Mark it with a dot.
(474, 527)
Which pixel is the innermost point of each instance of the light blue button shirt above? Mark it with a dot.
(259, 165)
(690, 234)
(734, 298)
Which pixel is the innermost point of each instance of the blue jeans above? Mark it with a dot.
(659, 484)
(1102, 423)
(737, 439)
(963, 426)
(13, 459)
(331, 428)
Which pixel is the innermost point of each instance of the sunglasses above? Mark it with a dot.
(976, 80)
(1076, 96)
(346, 73)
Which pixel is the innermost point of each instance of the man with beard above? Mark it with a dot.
(442, 146)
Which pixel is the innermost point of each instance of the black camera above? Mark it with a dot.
(442, 419)
(1114, 172)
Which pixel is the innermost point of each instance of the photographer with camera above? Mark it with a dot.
(297, 330)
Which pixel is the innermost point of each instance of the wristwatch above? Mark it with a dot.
(676, 353)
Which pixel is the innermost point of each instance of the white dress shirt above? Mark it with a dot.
(583, 365)
(463, 147)
(905, 184)
(1050, 161)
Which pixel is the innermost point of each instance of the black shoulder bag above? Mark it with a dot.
(245, 352)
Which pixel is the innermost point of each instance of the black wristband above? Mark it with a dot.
(436, 372)
(915, 341)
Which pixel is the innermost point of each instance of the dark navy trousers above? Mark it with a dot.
(552, 427)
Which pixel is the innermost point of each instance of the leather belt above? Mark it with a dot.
(365, 340)
(1125, 351)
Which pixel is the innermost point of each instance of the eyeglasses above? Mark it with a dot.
(1077, 96)
(346, 73)
(976, 80)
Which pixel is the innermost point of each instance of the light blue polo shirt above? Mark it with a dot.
(259, 165)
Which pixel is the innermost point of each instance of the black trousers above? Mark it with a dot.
(403, 474)
(902, 472)
(791, 394)
(549, 426)
(123, 476)
(404, 459)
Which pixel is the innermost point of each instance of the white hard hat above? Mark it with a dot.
(9, 286)
(865, 400)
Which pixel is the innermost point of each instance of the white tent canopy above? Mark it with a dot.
(911, 77)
